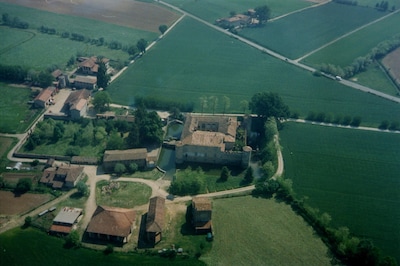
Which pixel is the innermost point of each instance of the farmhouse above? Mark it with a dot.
(76, 104)
(44, 98)
(61, 177)
(210, 139)
(201, 214)
(126, 157)
(155, 219)
(112, 224)
(85, 82)
(65, 220)
(89, 66)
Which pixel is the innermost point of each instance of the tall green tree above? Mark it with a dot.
(163, 28)
(267, 104)
(103, 79)
(224, 174)
(101, 101)
(141, 45)
(248, 177)
(263, 13)
(226, 102)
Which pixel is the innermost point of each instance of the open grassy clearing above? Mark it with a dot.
(16, 114)
(125, 195)
(310, 28)
(377, 79)
(211, 10)
(266, 231)
(12, 37)
(184, 69)
(360, 43)
(41, 249)
(350, 174)
(372, 3)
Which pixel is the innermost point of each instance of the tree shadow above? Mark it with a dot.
(143, 242)
(187, 228)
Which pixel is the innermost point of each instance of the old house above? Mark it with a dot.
(85, 82)
(126, 157)
(61, 177)
(44, 98)
(65, 220)
(201, 214)
(210, 139)
(155, 219)
(235, 21)
(89, 65)
(112, 224)
(77, 103)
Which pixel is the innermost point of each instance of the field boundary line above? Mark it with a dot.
(299, 10)
(346, 35)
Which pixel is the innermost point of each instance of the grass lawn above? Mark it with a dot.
(211, 10)
(311, 28)
(360, 43)
(350, 174)
(128, 195)
(256, 231)
(5, 146)
(207, 64)
(16, 114)
(33, 247)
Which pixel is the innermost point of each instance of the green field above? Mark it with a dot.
(35, 52)
(184, 69)
(128, 195)
(211, 10)
(360, 43)
(351, 174)
(299, 33)
(256, 231)
(16, 114)
(33, 247)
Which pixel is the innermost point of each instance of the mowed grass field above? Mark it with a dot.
(344, 51)
(351, 174)
(212, 10)
(302, 32)
(33, 247)
(15, 114)
(257, 231)
(184, 66)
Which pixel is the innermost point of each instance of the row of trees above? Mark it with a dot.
(361, 63)
(394, 125)
(346, 120)
(20, 74)
(14, 22)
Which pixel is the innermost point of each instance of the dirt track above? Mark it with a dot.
(128, 13)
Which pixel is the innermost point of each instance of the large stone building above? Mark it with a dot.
(62, 177)
(211, 139)
(126, 157)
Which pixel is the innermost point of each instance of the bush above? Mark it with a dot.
(109, 249)
(23, 185)
(72, 240)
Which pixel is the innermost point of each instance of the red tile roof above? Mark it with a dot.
(155, 215)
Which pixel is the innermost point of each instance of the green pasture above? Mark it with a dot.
(302, 32)
(257, 231)
(375, 77)
(15, 113)
(212, 10)
(208, 63)
(128, 195)
(33, 247)
(343, 52)
(372, 3)
(12, 37)
(35, 52)
(351, 174)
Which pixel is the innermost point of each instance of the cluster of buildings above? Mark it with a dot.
(239, 20)
(116, 225)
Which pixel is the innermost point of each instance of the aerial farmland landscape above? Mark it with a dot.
(200, 132)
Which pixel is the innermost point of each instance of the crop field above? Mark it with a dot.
(300, 33)
(360, 43)
(350, 174)
(128, 195)
(184, 69)
(260, 229)
(42, 249)
(133, 14)
(392, 64)
(16, 114)
(211, 10)
(11, 205)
